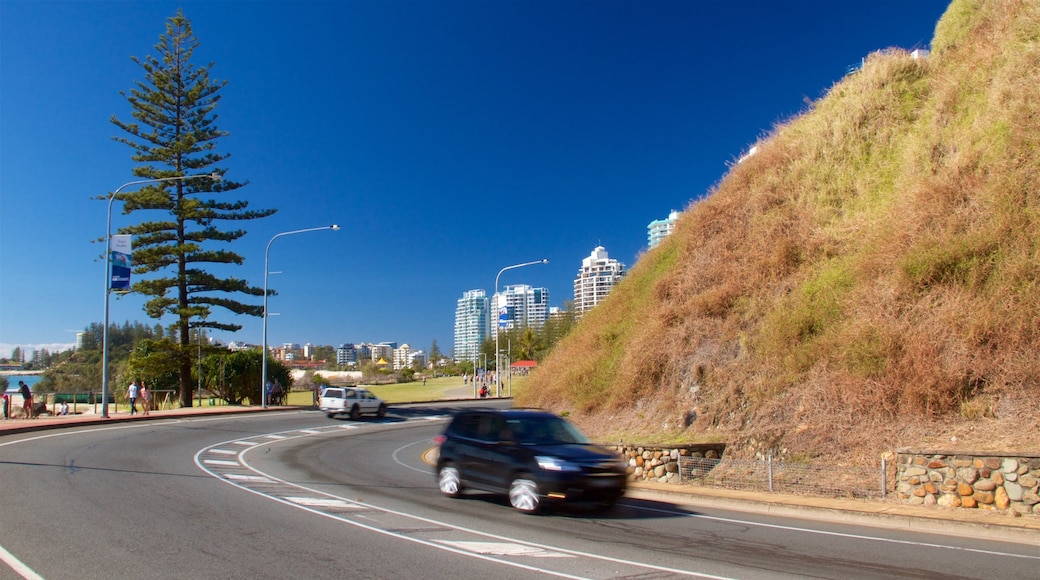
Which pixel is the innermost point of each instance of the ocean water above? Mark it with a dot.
(12, 381)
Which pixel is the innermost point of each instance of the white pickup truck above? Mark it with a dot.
(353, 401)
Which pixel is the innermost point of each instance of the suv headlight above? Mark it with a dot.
(555, 464)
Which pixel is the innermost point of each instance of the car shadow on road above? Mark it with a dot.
(626, 508)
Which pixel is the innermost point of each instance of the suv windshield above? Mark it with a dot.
(544, 430)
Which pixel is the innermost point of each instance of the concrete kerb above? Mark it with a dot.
(43, 423)
(931, 519)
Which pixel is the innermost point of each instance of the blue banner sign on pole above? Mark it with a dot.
(503, 316)
(121, 263)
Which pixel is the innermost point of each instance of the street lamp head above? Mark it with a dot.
(216, 176)
(545, 260)
(334, 227)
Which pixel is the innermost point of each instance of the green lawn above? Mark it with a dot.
(438, 389)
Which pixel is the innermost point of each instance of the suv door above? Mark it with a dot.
(493, 452)
(369, 402)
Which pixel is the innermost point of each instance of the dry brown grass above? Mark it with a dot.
(870, 279)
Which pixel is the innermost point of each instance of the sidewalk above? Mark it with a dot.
(87, 416)
(933, 519)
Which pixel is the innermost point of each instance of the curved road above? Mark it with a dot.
(294, 494)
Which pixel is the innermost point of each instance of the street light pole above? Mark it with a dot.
(498, 368)
(267, 253)
(108, 274)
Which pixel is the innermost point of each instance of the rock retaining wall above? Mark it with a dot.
(969, 480)
(661, 463)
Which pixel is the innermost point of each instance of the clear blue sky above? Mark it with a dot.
(448, 139)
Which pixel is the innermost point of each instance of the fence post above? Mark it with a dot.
(769, 469)
(884, 477)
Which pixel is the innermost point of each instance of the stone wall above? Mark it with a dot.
(661, 463)
(1004, 481)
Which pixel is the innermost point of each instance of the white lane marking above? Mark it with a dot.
(220, 462)
(274, 436)
(551, 548)
(435, 544)
(323, 502)
(505, 549)
(836, 534)
(240, 477)
(309, 431)
(397, 459)
(17, 565)
(246, 443)
(223, 451)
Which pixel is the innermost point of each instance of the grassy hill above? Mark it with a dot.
(869, 279)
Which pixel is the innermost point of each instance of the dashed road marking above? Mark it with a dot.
(505, 549)
(241, 477)
(511, 552)
(323, 502)
(226, 462)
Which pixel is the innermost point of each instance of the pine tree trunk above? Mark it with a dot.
(185, 383)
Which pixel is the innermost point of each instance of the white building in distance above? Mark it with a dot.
(598, 275)
(472, 324)
(520, 306)
(661, 229)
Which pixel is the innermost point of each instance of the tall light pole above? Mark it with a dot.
(267, 253)
(108, 273)
(498, 368)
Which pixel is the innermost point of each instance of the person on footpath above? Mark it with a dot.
(146, 399)
(27, 399)
(131, 393)
(7, 406)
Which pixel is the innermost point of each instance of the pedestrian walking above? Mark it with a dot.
(277, 393)
(7, 407)
(27, 399)
(146, 399)
(132, 393)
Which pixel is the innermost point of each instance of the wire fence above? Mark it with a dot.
(786, 477)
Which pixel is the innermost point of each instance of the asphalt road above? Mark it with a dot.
(298, 495)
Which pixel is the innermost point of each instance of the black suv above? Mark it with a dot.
(534, 456)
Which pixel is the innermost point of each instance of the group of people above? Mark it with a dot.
(134, 392)
(275, 392)
(27, 401)
(485, 391)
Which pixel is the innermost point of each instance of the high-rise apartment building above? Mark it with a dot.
(661, 229)
(472, 324)
(520, 306)
(347, 354)
(596, 278)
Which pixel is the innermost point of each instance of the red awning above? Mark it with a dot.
(523, 364)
